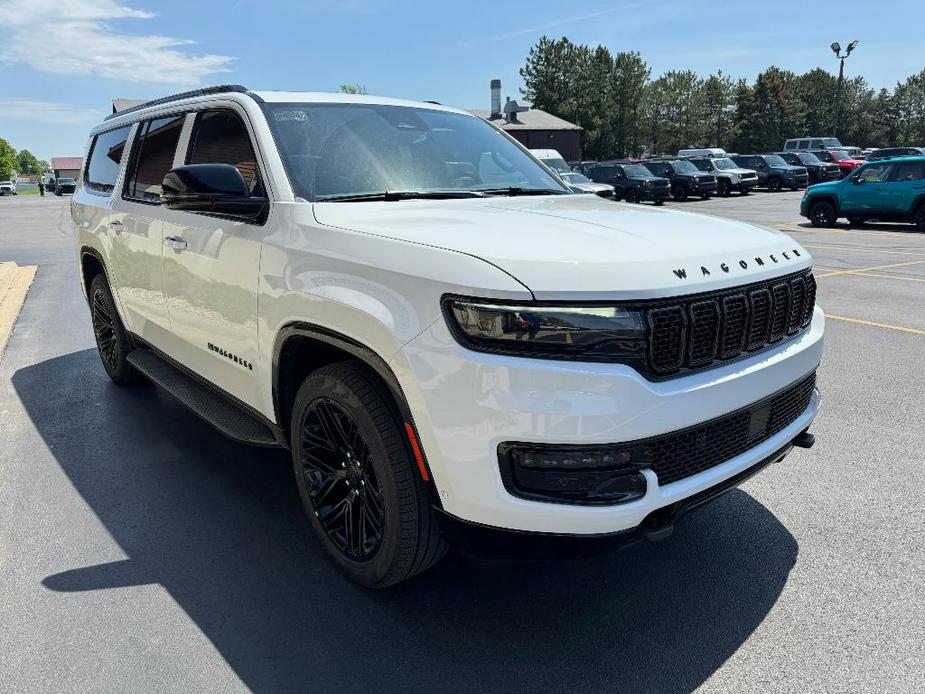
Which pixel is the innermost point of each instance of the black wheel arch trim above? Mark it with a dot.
(824, 198)
(365, 355)
(96, 255)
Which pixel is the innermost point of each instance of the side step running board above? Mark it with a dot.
(230, 419)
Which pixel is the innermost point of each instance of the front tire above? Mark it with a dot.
(679, 192)
(357, 478)
(822, 214)
(725, 188)
(112, 340)
(632, 195)
(774, 184)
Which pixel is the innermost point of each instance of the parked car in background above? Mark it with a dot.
(811, 143)
(819, 171)
(846, 163)
(773, 172)
(702, 152)
(889, 190)
(7, 188)
(552, 159)
(65, 185)
(853, 152)
(729, 175)
(685, 178)
(582, 184)
(584, 166)
(632, 182)
(890, 152)
(868, 151)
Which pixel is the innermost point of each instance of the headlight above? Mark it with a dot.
(647, 184)
(583, 333)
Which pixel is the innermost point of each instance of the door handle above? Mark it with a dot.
(175, 242)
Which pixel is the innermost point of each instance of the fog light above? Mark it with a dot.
(569, 474)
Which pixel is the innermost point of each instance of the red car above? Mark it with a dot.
(840, 157)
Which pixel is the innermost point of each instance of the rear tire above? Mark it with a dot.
(358, 480)
(822, 214)
(919, 217)
(112, 341)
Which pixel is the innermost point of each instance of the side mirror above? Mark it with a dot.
(216, 189)
(857, 180)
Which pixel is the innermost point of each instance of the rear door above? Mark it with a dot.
(904, 187)
(211, 266)
(137, 224)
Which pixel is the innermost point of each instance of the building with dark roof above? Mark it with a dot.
(533, 128)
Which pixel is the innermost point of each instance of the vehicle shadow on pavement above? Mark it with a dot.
(220, 527)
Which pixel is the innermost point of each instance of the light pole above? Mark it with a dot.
(836, 49)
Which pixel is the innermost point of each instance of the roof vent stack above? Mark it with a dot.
(511, 109)
(495, 99)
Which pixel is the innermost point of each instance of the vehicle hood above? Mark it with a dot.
(832, 186)
(737, 171)
(582, 246)
(647, 178)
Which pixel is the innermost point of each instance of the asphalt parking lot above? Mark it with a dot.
(141, 551)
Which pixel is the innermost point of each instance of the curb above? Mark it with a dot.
(14, 284)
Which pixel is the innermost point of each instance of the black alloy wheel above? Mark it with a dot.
(341, 480)
(359, 479)
(679, 192)
(774, 184)
(725, 188)
(112, 341)
(822, 214)
(632, 195)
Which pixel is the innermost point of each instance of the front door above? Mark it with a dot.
(867, 194)
(211, 267)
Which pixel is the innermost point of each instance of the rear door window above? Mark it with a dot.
(911, 171)
(220, 137)
(154, 153)
(104, 160)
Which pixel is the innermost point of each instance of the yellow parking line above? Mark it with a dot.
(890, 277)
(860, 270)
(862, 249)
(887, 326)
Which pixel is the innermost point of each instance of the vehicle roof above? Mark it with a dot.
(236, 92)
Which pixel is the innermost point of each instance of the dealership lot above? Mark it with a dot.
(140, 550)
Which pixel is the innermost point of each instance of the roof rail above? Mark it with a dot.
(218, 89)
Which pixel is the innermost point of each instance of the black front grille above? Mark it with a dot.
(707, 330)
(684, 453)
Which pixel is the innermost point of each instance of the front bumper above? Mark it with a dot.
(746, 184)
(705, 188)
(465, 404)
(654, 193)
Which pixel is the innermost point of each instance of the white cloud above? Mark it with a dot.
(74, 37)
(48, 112)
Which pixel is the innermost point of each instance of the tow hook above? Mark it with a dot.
(804, 440)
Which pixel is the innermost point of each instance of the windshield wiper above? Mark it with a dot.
(515, 190)
(395, 195)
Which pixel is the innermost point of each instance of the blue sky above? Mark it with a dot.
(62, 61)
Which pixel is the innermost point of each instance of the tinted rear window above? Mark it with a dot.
(105, 156)
(155, 157)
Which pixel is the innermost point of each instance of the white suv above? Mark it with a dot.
(452, 347)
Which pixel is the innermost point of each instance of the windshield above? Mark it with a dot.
(557, 164)
(683, 167)
(574, 177)
(333, 151)
(839, 154)
(774, 160)
(807, 158)
(65, 180)
(637, 170)
(725, 163)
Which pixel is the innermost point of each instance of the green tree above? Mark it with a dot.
(27, 163)
(628, 82)
(7, 159)
(779, 110)
(352, 89)
(719, 103)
